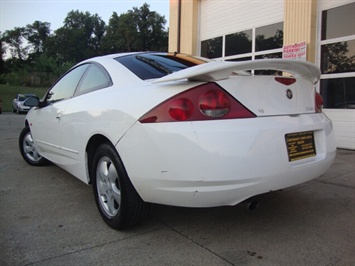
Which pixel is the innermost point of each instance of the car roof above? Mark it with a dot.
(116, 55)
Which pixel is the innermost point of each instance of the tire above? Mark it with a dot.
(28, 149)
(117, 200)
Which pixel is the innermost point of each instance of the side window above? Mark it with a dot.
(65, 87)
(95, 78)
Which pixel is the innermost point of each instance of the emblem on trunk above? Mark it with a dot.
(289, 93)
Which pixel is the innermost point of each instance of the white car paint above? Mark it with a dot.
(266, 97)
(194, 164)
(214, 163)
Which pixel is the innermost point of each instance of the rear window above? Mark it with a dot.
(23, 97)
(152, 66)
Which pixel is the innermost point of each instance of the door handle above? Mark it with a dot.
(58, 117)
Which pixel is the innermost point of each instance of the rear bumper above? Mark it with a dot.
(215, 163)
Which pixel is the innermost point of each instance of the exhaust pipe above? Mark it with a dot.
(250, 204)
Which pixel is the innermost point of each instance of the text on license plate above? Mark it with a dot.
(300, 145)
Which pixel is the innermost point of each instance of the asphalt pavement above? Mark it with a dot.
(48, 217)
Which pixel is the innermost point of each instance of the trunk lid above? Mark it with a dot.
(265, 96)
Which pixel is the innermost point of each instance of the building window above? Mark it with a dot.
(337, 57)
(212, 48)
(239, 43)
(338, 93)
(268, 56)
(269, 37)
(256, 43)
(338, 22)
(239, 59)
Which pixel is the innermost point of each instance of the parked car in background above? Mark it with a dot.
(17, 103)
(179, 130)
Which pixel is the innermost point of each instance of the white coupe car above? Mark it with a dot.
(179, 130)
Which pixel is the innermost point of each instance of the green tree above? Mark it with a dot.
(35, 53)
(120, 35)
(2, 52)
(150, 26)
(37, 34)
(15, 41)
(137, 30)
(78, 39)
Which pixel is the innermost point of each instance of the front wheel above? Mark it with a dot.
(28, 149)
(118, 202)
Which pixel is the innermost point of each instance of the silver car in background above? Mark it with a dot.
(17, 103)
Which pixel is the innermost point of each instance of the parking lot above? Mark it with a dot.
(48, 217)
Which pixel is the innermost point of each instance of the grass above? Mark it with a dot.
(8, 93)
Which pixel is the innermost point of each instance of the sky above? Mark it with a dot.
(19, 13)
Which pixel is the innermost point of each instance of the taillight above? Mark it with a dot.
(204, 102)
(181, 109)
(214, 103)
(318, 103)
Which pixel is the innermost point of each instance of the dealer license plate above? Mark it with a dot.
(300, 145)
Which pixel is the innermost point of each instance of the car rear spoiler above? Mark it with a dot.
(218, 70)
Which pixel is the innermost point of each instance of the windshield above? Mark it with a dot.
(157, 65)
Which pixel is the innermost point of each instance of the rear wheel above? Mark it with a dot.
(117, 200)
(28, 149)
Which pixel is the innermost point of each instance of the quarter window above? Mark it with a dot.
(95, 78)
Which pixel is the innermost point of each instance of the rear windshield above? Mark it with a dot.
(23, 97)
(152, 66)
